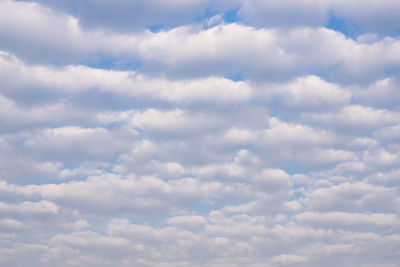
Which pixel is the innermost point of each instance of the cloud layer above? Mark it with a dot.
(175, 133)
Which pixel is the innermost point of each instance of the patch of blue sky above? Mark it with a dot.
(207, 14)
(236, 76)
(200, 19)
(349, 28)
(231, 16)
(156, 28)
(395, 33)
(395, 72)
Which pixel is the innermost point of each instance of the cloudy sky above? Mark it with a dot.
(182, 133)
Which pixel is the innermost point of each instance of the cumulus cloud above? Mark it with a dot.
(356, 118)
(199, 133)
(77, 80)
(310, 92)
(186, 50)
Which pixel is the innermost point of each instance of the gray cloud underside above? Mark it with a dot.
(122, 15)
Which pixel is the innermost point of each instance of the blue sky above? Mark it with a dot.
(199, 133)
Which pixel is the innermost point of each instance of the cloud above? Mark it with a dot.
(348, 220)
(186, 51)
(288, 259)
(310, 92)
(74, 142)
(29, 207)
(352, 197)
(76, 80)
(124, 15)
(381, 93)
(356, 118)
(201, 133)
(290, 13)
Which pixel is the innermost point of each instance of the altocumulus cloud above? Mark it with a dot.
(199, 133)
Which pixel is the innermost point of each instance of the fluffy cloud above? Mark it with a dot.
(78, 80)
(186, 51)
(310, 92)
(356, 118)
(173, 133)
(354, 196)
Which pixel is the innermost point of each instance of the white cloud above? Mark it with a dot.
(390, 178)
(310, 92)
(388, 133)
(381, 158)
(171, 121)
(192, 223)
(74, 141)
(187, 51)
(288, 259)
(353, 197)
(10, 224)
(346, 220)
(381, 93)
(267, 141)
(29, 207)
(353, 118)
(75, 80)
(272, 180)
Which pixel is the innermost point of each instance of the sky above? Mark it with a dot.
(180, 133)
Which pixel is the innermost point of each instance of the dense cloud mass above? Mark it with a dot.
(199, 133)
